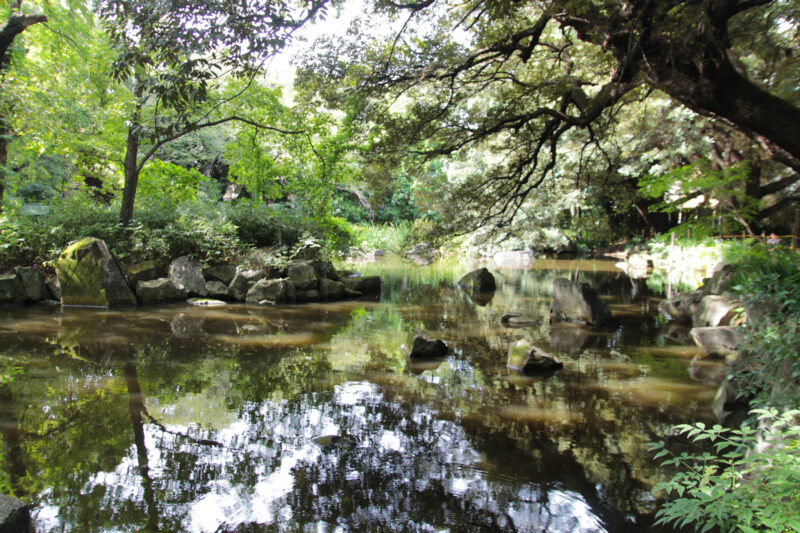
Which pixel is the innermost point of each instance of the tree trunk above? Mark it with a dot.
(136, 404)
(796, 229)
(131, 174)
(16, 24)
(721, 91)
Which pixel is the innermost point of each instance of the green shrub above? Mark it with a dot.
(739, 487)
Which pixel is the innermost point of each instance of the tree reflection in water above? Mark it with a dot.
(231, 424)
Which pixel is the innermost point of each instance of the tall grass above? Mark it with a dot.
(390, 237)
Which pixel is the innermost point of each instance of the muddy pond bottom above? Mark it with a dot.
(311, 418)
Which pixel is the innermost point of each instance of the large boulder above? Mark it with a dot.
(307, 296)
(14, 515)
(90, 277)
(188, 274)
(32, 283)
(722, 340)
(160, 290)
(722, 280)
(528, 359)
(242, 281)
(480, 280)
(221, 273)
(146, 271)
(53, 287)
(217, 289)
(330, 290)
(11, 290)
(303, 275)
(271, 291)
(577, 302)
(715, 310)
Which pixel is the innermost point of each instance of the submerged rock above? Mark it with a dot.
(577, 302)
(90, 277)
(528, 359)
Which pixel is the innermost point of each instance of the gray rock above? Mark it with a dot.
(715, 310)
(364, 284)
(146, 271)
(53, 288)
(577, 302)
(709, 370)
(275, 290)
(32, 283)
(325, 269)
(721, 281)
(307, 296)
(217, 289)
(303, 275)
(722, 340)
(11, 290)
(242, 281)
(424, 347)
(330, 290)
(188, 275)
(680, 308)
(90, 276)
(220, 273)
(14, 515)
(528, 359)
(480, 280)
(159, 291)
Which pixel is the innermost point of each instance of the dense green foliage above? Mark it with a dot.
(736, 488)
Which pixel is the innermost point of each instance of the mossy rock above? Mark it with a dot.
(90, 277)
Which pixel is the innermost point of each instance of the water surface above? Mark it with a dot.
(310, 418)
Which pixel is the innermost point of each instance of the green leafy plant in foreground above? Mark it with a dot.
(751, 482)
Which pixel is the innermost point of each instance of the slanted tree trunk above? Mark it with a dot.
(131, 175)
(16, 24)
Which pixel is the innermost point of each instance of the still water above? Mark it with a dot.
(310, 418)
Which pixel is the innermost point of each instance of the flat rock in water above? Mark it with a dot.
(205, 302)
(528, 359)
(159, 291)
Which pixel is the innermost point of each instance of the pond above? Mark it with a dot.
(311, 418)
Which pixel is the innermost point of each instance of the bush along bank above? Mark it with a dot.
(750, 480)
(88, 275)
